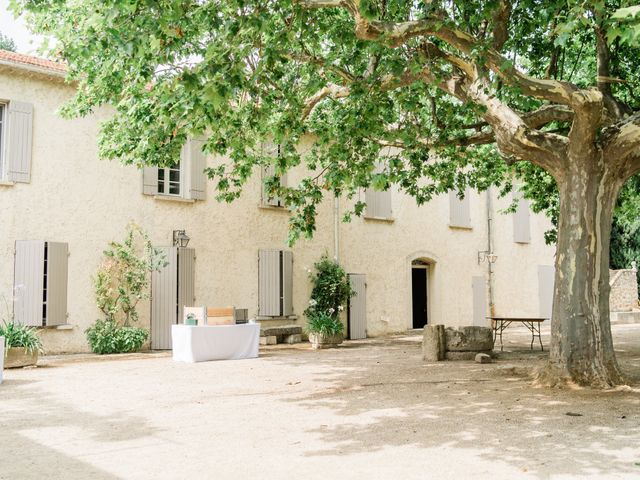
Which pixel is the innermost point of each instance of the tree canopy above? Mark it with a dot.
(450, 94)
(7, 43)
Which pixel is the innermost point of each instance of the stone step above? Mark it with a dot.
(619, 318)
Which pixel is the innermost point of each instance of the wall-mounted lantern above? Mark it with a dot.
(180, 238)
(486, 255)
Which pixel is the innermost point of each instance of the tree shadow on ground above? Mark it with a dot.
(23, 454)
(387, 396)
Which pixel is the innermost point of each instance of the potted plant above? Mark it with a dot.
(330, 293)
(325, 331)
(22, 345)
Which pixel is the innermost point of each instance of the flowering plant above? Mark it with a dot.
(330, 293)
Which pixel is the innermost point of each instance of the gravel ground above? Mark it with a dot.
(370, 409)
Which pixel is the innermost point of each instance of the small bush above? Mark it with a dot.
(331, 290)
(106, 336)
(16, 335)
(324, 324)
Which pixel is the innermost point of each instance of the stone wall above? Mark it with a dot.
(624, 290)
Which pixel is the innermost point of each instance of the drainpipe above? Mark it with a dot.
(336, 226)
(490, 250)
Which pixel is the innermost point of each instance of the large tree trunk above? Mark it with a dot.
(581, 343)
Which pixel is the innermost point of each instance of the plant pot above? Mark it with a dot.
(19, 357)
(321, 341)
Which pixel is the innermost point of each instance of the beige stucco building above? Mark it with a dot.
(53, 188)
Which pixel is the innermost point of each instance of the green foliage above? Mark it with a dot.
(7, 43)
(123, 277)
(324, 324)
(242, 72)
(107, 336)
(330, 293)
(16, 335)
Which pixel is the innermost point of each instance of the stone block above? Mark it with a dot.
(282, 330)
(468, 339)
(269, 340)
(483, 358)
(295, 338)
(432, 343)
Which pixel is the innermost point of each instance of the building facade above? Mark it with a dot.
(61, 206)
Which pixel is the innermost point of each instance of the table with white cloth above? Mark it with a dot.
(214, 342)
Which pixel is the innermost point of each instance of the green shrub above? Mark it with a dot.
(324, 324)
(16, 335)
(106, 336)
(331, 290)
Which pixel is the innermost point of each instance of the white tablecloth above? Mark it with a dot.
(215, 342)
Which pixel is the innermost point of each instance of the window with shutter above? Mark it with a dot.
(2, 135)
(378, 201)
(460, 210)
(186, 179)
(275, 284)
(521, 219)
(269, 176)
(40, 283)
(17, 135)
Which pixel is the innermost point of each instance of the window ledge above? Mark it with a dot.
(274, 208)
(6, 183)
(380, 219)
(461, 227)
(66, 326)
(261, 318)
(169, 198)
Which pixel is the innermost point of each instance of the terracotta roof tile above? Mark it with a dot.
(28, 60)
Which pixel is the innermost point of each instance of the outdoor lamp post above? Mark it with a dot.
(180, 238)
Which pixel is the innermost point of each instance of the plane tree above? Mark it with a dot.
(449, 93)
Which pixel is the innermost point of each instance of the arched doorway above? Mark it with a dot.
(420, 292)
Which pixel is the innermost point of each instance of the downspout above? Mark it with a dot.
(490, 250)
(336, 226)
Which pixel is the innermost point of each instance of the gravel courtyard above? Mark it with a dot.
(371, 409)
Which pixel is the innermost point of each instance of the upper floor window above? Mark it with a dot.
(169, 180)
(16, 133)
(186, 179)
(269, 175)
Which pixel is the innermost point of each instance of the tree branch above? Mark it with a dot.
(501, 18)
(621, 142)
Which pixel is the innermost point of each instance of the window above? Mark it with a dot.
(275, 283)
(16, 126)
(378, 201)
(460, 210)
(521, 220)
(187, 179)
(268, 173)
(169, 180)
(2, 135)
(40, 283)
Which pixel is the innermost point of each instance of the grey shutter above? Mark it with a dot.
(460, 210)
(269, 283)
(358, 307)
(186, 280)
(378, 203)
(57, 278)
(287, 283)
(546, 280)
(19, 141)
(479, 287)
(197, 162)
(521, 220)
(28, 282)
(150, 180)
(164, 306)
(269, 171)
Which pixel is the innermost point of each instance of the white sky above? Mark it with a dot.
(17, 30)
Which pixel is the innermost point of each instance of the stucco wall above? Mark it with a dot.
(624, 290)
(74, 197)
